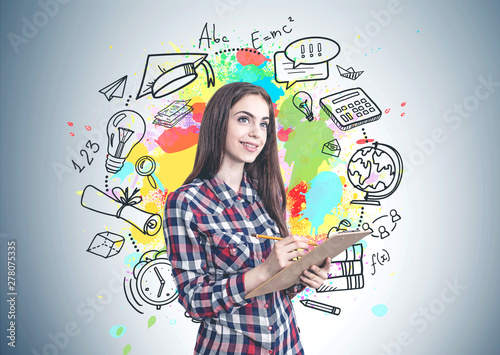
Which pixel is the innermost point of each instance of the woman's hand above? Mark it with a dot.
(283, 253)
(316, 275)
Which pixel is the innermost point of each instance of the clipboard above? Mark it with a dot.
(333, 246)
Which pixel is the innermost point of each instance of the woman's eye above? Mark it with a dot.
(264, 124)
(243, 119)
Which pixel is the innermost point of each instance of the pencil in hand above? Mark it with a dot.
(277, 238)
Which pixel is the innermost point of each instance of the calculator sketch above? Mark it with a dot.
(350, 108)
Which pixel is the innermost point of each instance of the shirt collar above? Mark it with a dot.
(227, 195)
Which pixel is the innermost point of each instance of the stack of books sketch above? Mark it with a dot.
(346, 271)
(173, 113)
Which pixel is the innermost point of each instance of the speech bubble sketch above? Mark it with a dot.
(305, 59)
(312, 50)
(285, 72)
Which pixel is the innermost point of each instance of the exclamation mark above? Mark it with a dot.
(319, 49)
(303, 50)
(311, 48)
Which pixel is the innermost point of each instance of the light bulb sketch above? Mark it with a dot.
(303, 102)
(125, 129)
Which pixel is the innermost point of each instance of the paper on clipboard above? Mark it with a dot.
(336, 244)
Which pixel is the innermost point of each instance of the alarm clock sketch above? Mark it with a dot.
(152, 282)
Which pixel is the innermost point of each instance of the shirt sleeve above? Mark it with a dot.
(200, 293)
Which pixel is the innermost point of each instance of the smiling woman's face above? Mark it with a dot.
(246, 131)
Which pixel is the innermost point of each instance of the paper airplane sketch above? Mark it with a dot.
(106, 244)
(167, 73)
(349, 73)
(173, 113)
(121, 206)
(115, 89)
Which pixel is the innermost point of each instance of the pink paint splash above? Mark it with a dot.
(177, 139)
(283, 134)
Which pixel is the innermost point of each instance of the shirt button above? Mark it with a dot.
(266, 305)
(270, 351)
(270, 327)
(233, 251)
(263, 260)
(239, 197)
(248, 216)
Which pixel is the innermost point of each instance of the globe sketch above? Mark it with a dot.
(376, 170)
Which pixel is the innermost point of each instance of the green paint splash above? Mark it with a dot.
(127, 349)
(151, 321)
(305, 143)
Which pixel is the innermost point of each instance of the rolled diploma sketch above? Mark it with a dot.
(99, 202)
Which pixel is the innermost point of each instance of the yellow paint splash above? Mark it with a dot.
(175, 47)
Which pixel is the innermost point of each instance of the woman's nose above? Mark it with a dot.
(255, 131)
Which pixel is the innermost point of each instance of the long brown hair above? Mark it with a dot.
(211, 149)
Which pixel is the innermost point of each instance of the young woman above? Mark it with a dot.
(234, 190)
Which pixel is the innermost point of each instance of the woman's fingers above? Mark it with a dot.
(310, 279)
(315, 276)
(293, 242)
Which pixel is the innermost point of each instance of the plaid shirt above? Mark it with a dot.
(207, 228)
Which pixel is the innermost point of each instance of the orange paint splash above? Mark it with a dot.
(198, 110)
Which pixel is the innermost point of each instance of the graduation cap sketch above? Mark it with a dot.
(115, 89)
(167, 73)
(349, 73)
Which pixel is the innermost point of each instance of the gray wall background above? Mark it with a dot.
(448, 201)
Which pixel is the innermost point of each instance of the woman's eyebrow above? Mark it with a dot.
(251, 115)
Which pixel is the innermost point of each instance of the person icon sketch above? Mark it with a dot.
(394, 215)
(383, 232)
(366, 227)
